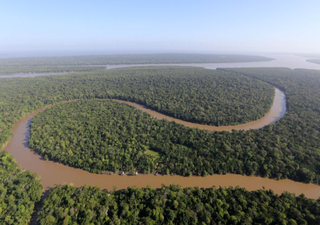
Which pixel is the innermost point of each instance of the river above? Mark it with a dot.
(276, 112)
(281, 60)
(54, 173)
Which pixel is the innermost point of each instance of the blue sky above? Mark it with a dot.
(160, 26)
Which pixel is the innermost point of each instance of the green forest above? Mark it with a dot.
(19, 191)
(193, 94)
(277, 151)
(7, 70)
(130, 59)
(175, 205)
(288, 148)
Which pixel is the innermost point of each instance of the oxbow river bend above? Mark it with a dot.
(54, 173)
(277, 111)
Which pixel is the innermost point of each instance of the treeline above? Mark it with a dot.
(19, 191)
(6, 70)
(287, 149)
(130, 59)
(174, 205)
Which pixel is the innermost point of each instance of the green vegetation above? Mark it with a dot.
(7, 70)
(194, 94)
(298, 132)
(97, 136)
(317, 61)
(19, 191)
(286, 149)
(102, 136)
(174, 205)
(130, 59)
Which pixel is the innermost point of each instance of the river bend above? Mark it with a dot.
(53, 173)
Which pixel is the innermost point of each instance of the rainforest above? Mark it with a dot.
(86, 127)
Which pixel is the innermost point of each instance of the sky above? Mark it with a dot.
(138, 26)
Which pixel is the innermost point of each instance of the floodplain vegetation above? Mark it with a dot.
(19, 191)
(194, 94)
(287, 149)
(21, 96)
(175, 205)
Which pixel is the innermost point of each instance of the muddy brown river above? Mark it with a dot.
(54, 173)
(276, 112)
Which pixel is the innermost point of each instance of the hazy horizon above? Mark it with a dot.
(52, 53)
(127, 27)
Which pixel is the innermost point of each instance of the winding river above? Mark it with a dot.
(277, 111)
(54, 173)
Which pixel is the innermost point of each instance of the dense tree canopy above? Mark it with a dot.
(19, 191)
(97, 136)
(298, 133)
(22, 95)
(130, 59)
(174, 205)
(194, 94)
(286, 149)
(101, 136)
